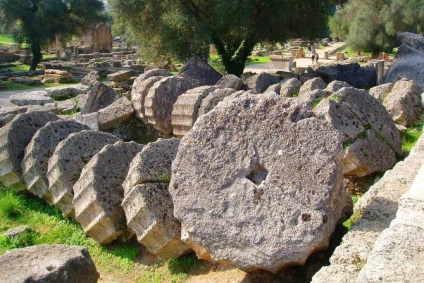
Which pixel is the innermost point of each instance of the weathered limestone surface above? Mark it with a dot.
(139, 92)
(48, 264)
(91, 78)
(258, 182)
(98, 193)
(260, 82)
(186, 109)
(290, 87)
(199, 72)
(380, 92)
(354, 112)
(160, 100)
(120, 76)
(334, 86)
(311, 85)
(376, 209)
(398, 253)
(67, 162)
(213, 98)
(148, 205)
(38, 97)
(100, 96)
(116, 113)
(14, 137)
(230, 81)
(66, 92)
(39, 151)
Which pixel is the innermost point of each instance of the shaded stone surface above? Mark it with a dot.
(116, 113)
(148, 205)
(256, 197)
(290, 87)
(160, 100)
(186, 109)
(91, 78)
(353, 112)
(403, 103)
(213, 98)
(409, 61)
(100, 96)
(199, 72)
(260, 82)
(39, 151)
(120, 76)
(48, 264)
(98, 193)
(66, 92)
(67, 162)
(230, 81)
(14, 137)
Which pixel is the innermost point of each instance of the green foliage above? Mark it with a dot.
(6, 39)
(355, 217)
(373, 24)
(315, 102)
(41, 22)
(176, 29)
(411, 137)
(11, 205)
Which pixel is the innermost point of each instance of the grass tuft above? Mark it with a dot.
(11, 205)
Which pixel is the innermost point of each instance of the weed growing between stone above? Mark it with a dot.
(412, 135)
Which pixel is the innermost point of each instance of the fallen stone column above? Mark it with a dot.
(98, 193)
(186, 109)
(148, 205)
(67, 162)
(39, 151)
(14, 137)
(258, 183)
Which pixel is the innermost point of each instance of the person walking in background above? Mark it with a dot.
(313, 58)
(384, 57)
(316, 58)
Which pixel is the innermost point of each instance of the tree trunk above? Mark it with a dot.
(37, 56)
(234, 62)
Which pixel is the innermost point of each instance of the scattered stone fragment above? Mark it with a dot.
(120, 76)
(380, 92)
(353, 112)
(90, 120)
(148, 205)
(48, 263)
(17, 231)
(213, 98)
(160, 100)
(65, 92)
(186, 109)
(39, 151)
(6, 119)
(115, 113)
(98, 193)
(403, 103)
(38, 97)
(311, 85)
(334, 86)
(100, 96)
(199, 72)
(139, 93)
(70, 156)
(290, 87)
(260, 82)
(14, 137)
(230, 81)
(274, 88)
(91, 78)
(255, 177)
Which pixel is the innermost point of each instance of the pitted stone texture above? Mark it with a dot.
(353, 112)
(100, 96)
(66, 92)
(48, 264)
(139, 92)
(273, 88)
(98, 193)
(153, 164)
(91, 78)
(90, 120)
(255, 177)
(403, 103)
(334, 86)
(311, 85)
(39, 151)
(313, 96)
(38, 97)
(380, 92)
(199, 72)
(149, 211)
(213, 99)
(14, 137)
(186, 109)
(398, 253)
(290, 87)
(116, 113)
(376, 209)
(260, 82)
(230, 81)
(67, 162)
(160, 100)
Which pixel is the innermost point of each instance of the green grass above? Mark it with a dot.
(16, 86)
(410, 138)
(257, 60)
(7, 39)
(18, 68)
(216, 63)
(118, 262)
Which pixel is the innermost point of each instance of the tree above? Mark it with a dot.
(40, 22)
(183, 28)
(372, 25)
